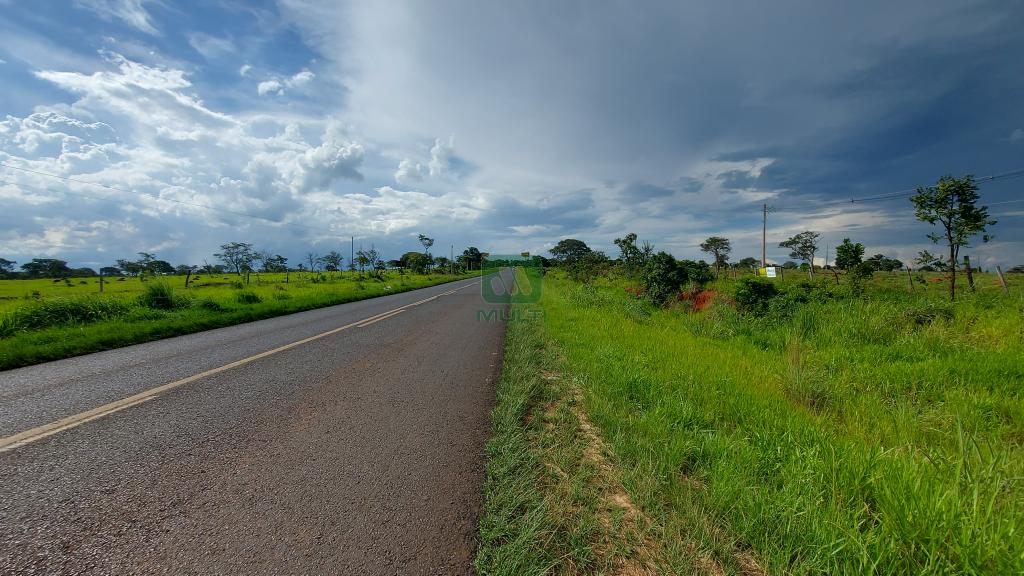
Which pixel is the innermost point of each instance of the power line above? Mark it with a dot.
(1003, 176)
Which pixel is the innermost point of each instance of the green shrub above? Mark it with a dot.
(282, 296)
(237, 285)
(160, 296)
(246, 297)
(753, 296)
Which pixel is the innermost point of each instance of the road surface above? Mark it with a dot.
(345, 440)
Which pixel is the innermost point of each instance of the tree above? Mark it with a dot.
(314, 260)
(370, 259)
(275, 263)
(160, 267)
(183, 269)
(883, 263)
(415, 261)
(663, 276)
(952, 204)
(849, 254)
(749, 263)
(427, 243)
(110, 271)
(46, 268)
(237, 256)
(332, 261)
(803, 246)
(720, 248)
(789, 265)
(569, 250)
(6, 267)
(471, 258)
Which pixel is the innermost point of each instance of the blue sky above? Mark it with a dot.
(502, 125)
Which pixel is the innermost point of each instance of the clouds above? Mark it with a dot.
(673, 120)
(162, 156)
(279, 86)
(131, 12)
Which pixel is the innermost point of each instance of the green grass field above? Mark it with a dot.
(42, 320)
(882, 434)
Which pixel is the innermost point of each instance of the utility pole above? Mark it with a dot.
(451, 261)
(826, 255)
(352, 256)
(764, 235)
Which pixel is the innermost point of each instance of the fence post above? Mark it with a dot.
(910, 279)
(970, 276)
(1002, 280)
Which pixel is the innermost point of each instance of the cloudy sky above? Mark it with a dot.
(297, 124)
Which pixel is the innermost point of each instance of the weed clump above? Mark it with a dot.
(208, 304)
(160, 296)
(61, 312)
(246, 297)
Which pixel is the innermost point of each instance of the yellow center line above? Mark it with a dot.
(46, 430)
(367, 323)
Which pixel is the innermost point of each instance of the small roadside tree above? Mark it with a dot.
(952, 204)
(849, 254)
(720, 248)
(803, 246)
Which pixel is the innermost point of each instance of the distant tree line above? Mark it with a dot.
(951, 205)
(243, 258)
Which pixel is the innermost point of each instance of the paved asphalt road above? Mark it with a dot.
(360, 452)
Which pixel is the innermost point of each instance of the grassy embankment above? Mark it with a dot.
(42, 320)
(851, 435)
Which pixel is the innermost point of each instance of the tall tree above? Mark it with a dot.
(720, 248)
(236, 256)
(953, 204)
(471, 257)
(849, 254)
(631, 257)
(803, 246)
(332, 261)
(6, 267)
(570, 250)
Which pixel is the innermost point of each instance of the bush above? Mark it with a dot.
(160, 296)
(248, 298)
(587, 267)
(858, 275)
(662, 277)
(754, 296)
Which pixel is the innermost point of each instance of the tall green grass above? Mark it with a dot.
(873, 435)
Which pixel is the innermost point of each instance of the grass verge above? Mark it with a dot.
(554, 502)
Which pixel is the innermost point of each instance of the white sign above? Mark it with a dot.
(770, 271)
